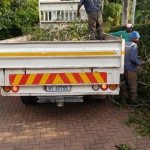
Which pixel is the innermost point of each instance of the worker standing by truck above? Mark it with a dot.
(132, 60)
(94, 10)
(125, 34)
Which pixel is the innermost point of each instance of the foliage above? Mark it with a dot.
(124, 147)
(141, 118)
(112, 14)
(74, 32)
(17, 15)
(143, 11)
(115, 1)
(141, 122)
(142, 15)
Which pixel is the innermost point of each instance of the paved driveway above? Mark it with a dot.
(77, 126)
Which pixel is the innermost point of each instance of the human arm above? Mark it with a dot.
(78, 8)
(118, 34)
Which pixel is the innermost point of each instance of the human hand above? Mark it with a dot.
(139, 68)
(143, 62)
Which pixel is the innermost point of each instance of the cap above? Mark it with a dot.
(135, 35)
(129, 26)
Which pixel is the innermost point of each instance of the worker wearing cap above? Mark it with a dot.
(125, 34)
(93, 9)
(132, 60)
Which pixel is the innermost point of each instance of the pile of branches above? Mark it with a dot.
(63, 32)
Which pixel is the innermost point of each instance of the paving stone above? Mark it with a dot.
(77, 126)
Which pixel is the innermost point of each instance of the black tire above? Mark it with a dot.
(28, 100)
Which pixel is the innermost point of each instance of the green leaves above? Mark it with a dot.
(143, 11)
(124, 147)
(112, 14)
(18, 14)
(73, 31)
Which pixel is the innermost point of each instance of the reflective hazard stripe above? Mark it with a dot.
(58, 78)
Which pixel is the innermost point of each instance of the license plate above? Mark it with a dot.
(59, 88)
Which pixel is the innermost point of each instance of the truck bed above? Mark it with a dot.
(15, 53)
(34, 65)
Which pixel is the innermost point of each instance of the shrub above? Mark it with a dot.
(17, 16)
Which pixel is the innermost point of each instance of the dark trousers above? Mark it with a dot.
(129, 86)
(95, 22)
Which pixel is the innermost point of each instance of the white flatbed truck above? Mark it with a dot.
(32, 69)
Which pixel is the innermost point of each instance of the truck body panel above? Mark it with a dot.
(57, 55)
(76, 65)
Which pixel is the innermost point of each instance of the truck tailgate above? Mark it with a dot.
(89, 54)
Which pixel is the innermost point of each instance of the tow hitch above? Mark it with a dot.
(60, 101)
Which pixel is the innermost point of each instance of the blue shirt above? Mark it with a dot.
(131, 57)
(91, 5)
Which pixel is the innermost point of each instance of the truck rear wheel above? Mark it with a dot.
(29, 100)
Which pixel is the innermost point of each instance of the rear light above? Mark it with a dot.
(15, 88)
(113, 87)
(95, 87)
(7, 88)
(104, 87)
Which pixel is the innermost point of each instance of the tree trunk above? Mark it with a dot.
(125, 11)
(133, 11)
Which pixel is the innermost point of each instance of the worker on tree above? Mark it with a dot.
(132, 60)
(125, 34)
(94, 10)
